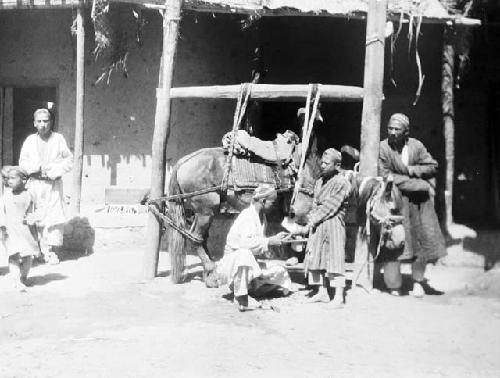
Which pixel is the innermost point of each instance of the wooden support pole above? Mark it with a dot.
(2, 112)
(447, 97)
(80, 96)
(161, 132)
(370, 126)
(373, 87)
(272, 92)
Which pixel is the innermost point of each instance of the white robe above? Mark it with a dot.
(57, 160)
(239, 268)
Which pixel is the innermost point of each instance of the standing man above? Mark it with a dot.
(414, 171)
(325, 259)
(46, 157)
(246, 239)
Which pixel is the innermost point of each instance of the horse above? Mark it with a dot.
(205, 168)
(379, 216)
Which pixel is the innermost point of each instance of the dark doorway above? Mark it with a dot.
(26, 101)
(493, 151)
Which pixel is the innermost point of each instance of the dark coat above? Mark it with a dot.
(424, 239)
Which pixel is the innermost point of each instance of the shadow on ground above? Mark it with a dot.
(45, 279)
(486, 244)
(191, 272)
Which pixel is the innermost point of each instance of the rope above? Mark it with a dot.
(174, 197)
(243, 96)
(165, 219)
(306, 133)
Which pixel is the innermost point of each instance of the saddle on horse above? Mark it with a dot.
(256, 161)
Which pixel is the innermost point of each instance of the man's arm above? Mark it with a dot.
(243, 235)
(331, 204)
(405, 182)
(425, 166)
(26, 159)
(63, 164)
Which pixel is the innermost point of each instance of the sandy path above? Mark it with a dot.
(92, 317)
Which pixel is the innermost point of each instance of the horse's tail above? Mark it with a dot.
(176, 241)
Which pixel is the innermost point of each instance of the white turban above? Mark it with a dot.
(263, 191)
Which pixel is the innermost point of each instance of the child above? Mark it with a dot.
(16, 217)
(3, 186)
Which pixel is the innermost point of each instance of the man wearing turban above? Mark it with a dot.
(414, 171)
(246, 239)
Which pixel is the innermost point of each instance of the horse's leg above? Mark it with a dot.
(363, 273)
(199, 228)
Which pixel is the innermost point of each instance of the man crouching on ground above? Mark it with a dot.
(246, 239)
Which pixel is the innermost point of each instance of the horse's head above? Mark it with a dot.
(380, 202)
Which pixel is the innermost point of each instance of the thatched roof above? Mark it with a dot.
(426, 8)
(430, 10)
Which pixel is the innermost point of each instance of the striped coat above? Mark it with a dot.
(326, 246)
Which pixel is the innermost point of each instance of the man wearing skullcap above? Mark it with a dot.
(414, 171)
(246, 239)
(46, 157)
(325, 259)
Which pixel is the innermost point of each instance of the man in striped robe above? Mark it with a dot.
(325, 259)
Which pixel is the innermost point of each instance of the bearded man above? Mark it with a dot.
(46, 158)
(414, 171)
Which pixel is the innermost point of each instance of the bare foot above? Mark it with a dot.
(21, 287)
(320, 297)
(418, 290)
(336, 304)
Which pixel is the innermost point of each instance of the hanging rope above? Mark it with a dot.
(307, 128)
(241, 106)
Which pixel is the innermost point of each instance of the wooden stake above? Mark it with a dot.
(272, 92)
(161, 132)
(80, 95)
(448, 68)
(373, 87)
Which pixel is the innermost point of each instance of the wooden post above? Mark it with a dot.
(448, 68)
(370, 124)
(161, 132)
(80, 95)
(373, 87)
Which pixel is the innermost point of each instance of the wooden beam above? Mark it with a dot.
(171, 20)
(80, 97)
(271, 92)
(373, 86)
(448, 110)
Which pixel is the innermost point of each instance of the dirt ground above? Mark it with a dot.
(91, 316)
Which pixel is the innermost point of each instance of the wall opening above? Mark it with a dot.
(26, 101)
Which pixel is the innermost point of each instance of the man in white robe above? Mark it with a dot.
(246, 239)
(46, 157)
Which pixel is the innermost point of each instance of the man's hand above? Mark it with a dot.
(31, 219)
(278, 238)
(301, 230)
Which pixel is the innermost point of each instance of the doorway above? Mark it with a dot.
(26, 101)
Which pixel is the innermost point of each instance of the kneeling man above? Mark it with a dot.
(246, 239)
